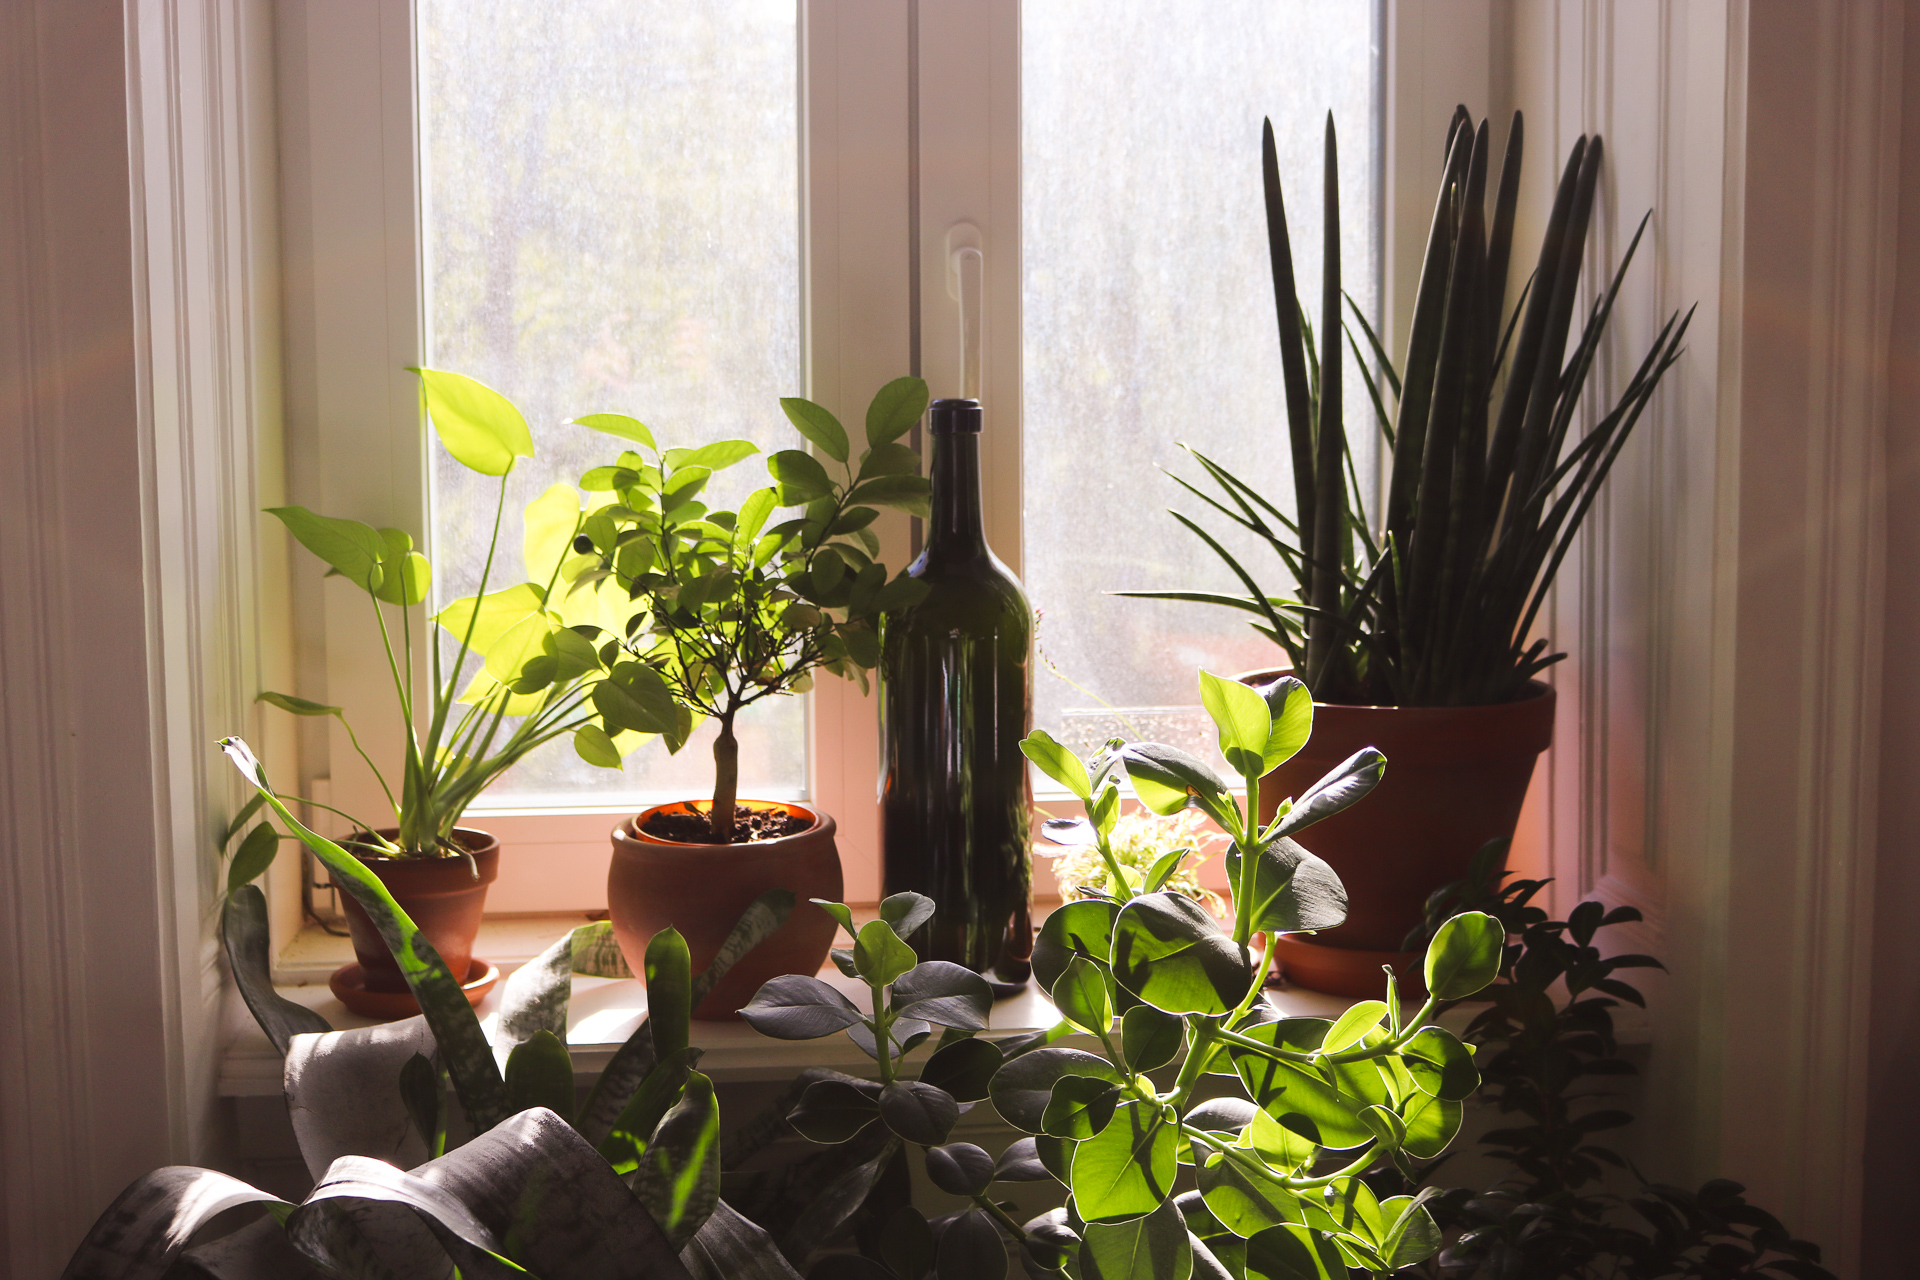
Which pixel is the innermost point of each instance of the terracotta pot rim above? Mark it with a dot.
(629, 828)
(487, 844)
(1537, 689)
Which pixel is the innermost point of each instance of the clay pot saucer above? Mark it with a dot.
(349, 983)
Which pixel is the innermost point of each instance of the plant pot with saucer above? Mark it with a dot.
(445, 897)
(735, 607)
(1413, 624)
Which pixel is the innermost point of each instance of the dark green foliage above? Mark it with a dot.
(1433, 602)
(1546, 1065)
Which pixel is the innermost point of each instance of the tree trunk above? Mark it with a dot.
(726, 782)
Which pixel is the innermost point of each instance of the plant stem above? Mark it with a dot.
(726, 782)
(1005, 1219)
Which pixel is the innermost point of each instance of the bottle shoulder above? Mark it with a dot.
(963, 591)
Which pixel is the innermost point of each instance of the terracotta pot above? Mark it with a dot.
(701, 889)
(442, 898)
(1456, 778)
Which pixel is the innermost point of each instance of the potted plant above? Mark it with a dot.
(462, 728)
(732, 608)
(1413, 626)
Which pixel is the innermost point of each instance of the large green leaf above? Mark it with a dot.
(1243, 721)
(880, 955)
(1245, 1197)
(1168, 951)
(1126, 1169)
(797, 1007)
(1291, 707)
(627, 1137)
(1082, 998)
(463, 1045)
(819, 426)
(678, 1179)
(1440, 1064)
(540, 1074)
(243, 931)
(1168, 780)
(895, 409)
(833, 1111)
(253, 857)
(1022, 1088)
(1079, 1107)
(1345, 785)
(1431, 1124)
(1149, 1038)
(1464, 955)
(1078, 928)
(352, 549)
(1292, 1252)
(669, 971)
(964, 1068)
(1293, 891)
(618, 424)
(943, 993)
(1152, 1247)
(918, 1112)
(149, 1224)
(729, 1247)
(1057, 763)
(490, 616)
(970, 1249)
(479, 426)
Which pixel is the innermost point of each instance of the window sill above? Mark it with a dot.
(605, 1011)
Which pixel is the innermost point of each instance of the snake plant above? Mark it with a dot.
(1435, 604)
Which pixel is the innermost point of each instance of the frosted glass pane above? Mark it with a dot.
(1149, 321)
(612, 224)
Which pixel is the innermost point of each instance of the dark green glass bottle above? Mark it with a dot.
(956, 699)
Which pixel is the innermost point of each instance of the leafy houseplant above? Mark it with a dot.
(725, 610)
(1435, 607)
(538, 671)
(1280, 1185)
(732, 610)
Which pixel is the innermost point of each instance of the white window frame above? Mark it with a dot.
(909, 126)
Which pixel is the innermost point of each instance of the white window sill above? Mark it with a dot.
(605, 1011)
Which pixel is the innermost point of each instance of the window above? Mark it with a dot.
(549, 198)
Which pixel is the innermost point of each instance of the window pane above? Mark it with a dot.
(1149, 322)
(612, 205)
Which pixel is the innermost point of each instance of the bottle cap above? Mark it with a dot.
(956, 417)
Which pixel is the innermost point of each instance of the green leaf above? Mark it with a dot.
(718, 456)
(964, 1069)
(1348, 783)
(253, 857)
(943, 993)
(479, 426)
(906, 1244)
(591, 743)
(1081, 996)
(1413, 1236)
(1149, 1038)
(619, 424)
(1440, 1064)
(960, 1168)
(352, 549)
(669, 972)
(1286, 1089)
(1291, 706)
(797, 1007)
(1293, 1252)
(839, 911)
(1078, 928)
(1387, 1127)
(1057, 763)
(463, 1045)
(833, 1111)
(630, 1131)
(802, 478)
(678, 1178)
(243, 932)
(1022, 1088)
(1128, 1168)
(1293, 891)
(405, 576)
(903, 493)
(420, 1090)
(1168, 951)
(1168, 780)
(918, 1112)
(889, 460)
(1431, 1124)
(491, 616)
(906, 912)
(1079, 1107)
(1153, 1247)
(880, 955)
(1243, 721)
(971, 1249)
(1352, 1026)
(634, 698)
(1465, 955)
(894, 410)
(540, 1074)
(1285, 1147)
(817, 425)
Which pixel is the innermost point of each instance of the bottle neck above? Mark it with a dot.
(955, 526)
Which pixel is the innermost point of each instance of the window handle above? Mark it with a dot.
(966, 284)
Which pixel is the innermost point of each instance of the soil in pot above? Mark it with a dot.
(701, 888)
(689, 824)
(1455, 779)
(441, 895)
